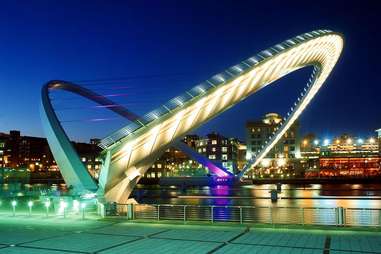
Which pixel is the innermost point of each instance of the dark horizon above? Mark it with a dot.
(171, 47)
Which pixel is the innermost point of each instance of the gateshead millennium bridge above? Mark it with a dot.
(129, 152)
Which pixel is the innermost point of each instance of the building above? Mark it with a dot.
(25, 152)
(241, 155)
(258, 133)
(343, 156)
(33, 153)
(219, 149)
(379, 140)
(174, 162)
(283, 159)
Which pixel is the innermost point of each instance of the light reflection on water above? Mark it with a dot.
(315, 195)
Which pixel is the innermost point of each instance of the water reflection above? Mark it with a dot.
(314, 195)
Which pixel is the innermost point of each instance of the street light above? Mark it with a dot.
(30, 204)
(14, 203)
(75, 206)
(63, 206)
(326, 142)
(47, 205)
(83, 207)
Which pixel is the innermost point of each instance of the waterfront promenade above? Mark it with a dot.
(39, 234)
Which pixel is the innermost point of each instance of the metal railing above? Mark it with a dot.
(336, 216)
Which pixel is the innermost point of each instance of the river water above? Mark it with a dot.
(311, 195)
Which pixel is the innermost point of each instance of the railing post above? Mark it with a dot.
(211, 214)
(240, 215)
(339, 216)
(185, 213)
(158, 212)
(303, 216)
(130, 211)
(379, 217)
(271, 215)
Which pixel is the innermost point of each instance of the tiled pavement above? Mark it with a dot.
(52, 235)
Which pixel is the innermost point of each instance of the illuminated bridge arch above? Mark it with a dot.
(71, 167)
(130, 151)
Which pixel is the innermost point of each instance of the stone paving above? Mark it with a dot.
(22, 234)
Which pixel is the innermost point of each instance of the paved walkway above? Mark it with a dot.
(57, 235)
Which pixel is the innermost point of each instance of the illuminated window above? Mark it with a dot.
(224, 149)
(212, 156)
(213, 149)
(83, 159)
(224, 157)
(214, 142)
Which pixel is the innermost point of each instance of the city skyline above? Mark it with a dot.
(186, 53)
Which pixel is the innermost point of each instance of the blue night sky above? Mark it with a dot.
(148, 53)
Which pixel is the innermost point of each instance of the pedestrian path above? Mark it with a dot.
(52, 235)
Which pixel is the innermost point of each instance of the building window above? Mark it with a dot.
(224, 157)
(214, 142)
(224, 149)
(213, 149)
(212, 157)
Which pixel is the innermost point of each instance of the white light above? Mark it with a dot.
(179, 102)
(14, 203)
(221, 78)
(316, 142)
(47, 204)
(201, 89)
(372, 140)
(30, 204)
(89, 195)
(349, 141)
(63, 204)
(83, 205)
(265, 162)
(281, 162)
(75, 205)
(326, 142)
(360, 141)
